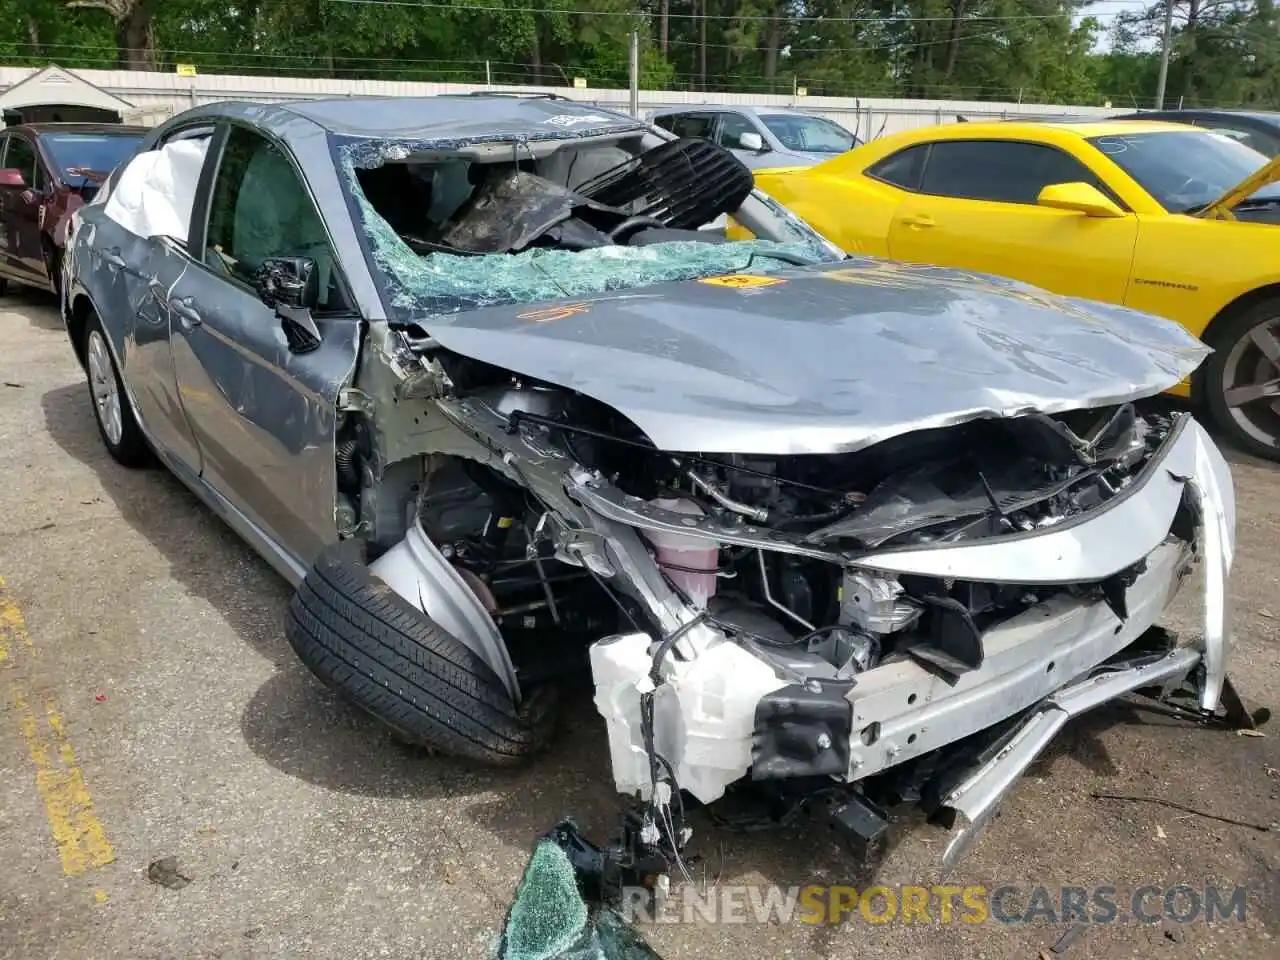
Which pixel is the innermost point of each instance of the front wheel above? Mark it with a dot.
(1240, 383)
(373, 647)
(111, 408)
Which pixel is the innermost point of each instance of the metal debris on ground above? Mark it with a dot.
(164, 872)
(1069, 937)
(1160, 801)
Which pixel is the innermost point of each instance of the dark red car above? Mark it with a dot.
(47, 170)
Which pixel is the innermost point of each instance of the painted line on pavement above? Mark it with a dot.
(78, 834)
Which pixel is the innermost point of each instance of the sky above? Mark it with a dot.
(1106, 11)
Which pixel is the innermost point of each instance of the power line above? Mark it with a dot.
(483, 8)
(868, 48)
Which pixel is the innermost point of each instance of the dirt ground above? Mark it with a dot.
(153, 709)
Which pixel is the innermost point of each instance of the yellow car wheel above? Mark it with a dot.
(1241, 382)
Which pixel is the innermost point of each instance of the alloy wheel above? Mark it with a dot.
(106, 394)
(1251, 382)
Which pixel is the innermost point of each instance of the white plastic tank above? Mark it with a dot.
(689, 562)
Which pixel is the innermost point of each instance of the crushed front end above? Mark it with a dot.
(915, 621)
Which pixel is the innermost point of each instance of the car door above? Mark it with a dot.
(729, 135)
(23, 206)
(974, 207)
(263, 410)
(8, 224)
(130, 236)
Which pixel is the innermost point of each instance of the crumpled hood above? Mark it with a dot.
(828, 359)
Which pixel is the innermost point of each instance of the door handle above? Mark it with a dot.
(918, 220)
(184, 309)
(113, 258)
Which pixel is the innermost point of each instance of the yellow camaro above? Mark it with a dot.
(1170, 219)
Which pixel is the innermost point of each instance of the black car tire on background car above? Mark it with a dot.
(1219, 374)
(369, 644)
(124, 441)
(53, 266)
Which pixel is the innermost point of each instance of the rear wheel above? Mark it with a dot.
(1240, 384)
(111, 408)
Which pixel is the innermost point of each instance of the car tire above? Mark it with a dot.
(111, 408)
(1253, 427)
(369, 644)
(53, 266)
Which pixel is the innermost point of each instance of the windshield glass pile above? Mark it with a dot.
(80, 154)
(1185, 170)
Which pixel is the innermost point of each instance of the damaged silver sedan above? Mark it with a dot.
(467, 371)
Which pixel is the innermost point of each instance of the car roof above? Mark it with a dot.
(42, 128)
(729, 108)
(1001, 129)
(464, 115)
(1102, 128)
(1255, 118)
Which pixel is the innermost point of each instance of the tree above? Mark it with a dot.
(135, 39)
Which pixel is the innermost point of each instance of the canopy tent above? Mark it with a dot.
(57, 94)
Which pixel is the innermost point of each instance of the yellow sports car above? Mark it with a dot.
(1166, 218)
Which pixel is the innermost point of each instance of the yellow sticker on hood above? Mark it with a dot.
(742, 280)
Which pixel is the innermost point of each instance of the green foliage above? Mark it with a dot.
(1224, 51)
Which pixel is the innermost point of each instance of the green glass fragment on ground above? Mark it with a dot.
(549, 914)
(550, 921)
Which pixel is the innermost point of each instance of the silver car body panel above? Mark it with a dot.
(831, 359)
(417, 570)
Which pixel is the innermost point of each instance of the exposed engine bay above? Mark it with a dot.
(985, 479)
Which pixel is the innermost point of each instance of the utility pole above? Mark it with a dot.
(1165, 44)
(633, 63)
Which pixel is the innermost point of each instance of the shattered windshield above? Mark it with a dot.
(446, 233)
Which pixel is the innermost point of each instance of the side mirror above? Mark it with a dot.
(12, 178)
(291, 285)
(1079, 197)
(291, 281)
(751, 141)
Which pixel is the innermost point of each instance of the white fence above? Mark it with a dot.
(157, 96)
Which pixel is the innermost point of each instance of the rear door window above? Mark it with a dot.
(902, 169)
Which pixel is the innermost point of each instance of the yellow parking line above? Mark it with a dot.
(13, 628)
(77, 832)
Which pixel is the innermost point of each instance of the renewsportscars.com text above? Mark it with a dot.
(1006, 903)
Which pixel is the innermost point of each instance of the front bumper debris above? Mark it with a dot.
(978, 797)
(726, 712)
